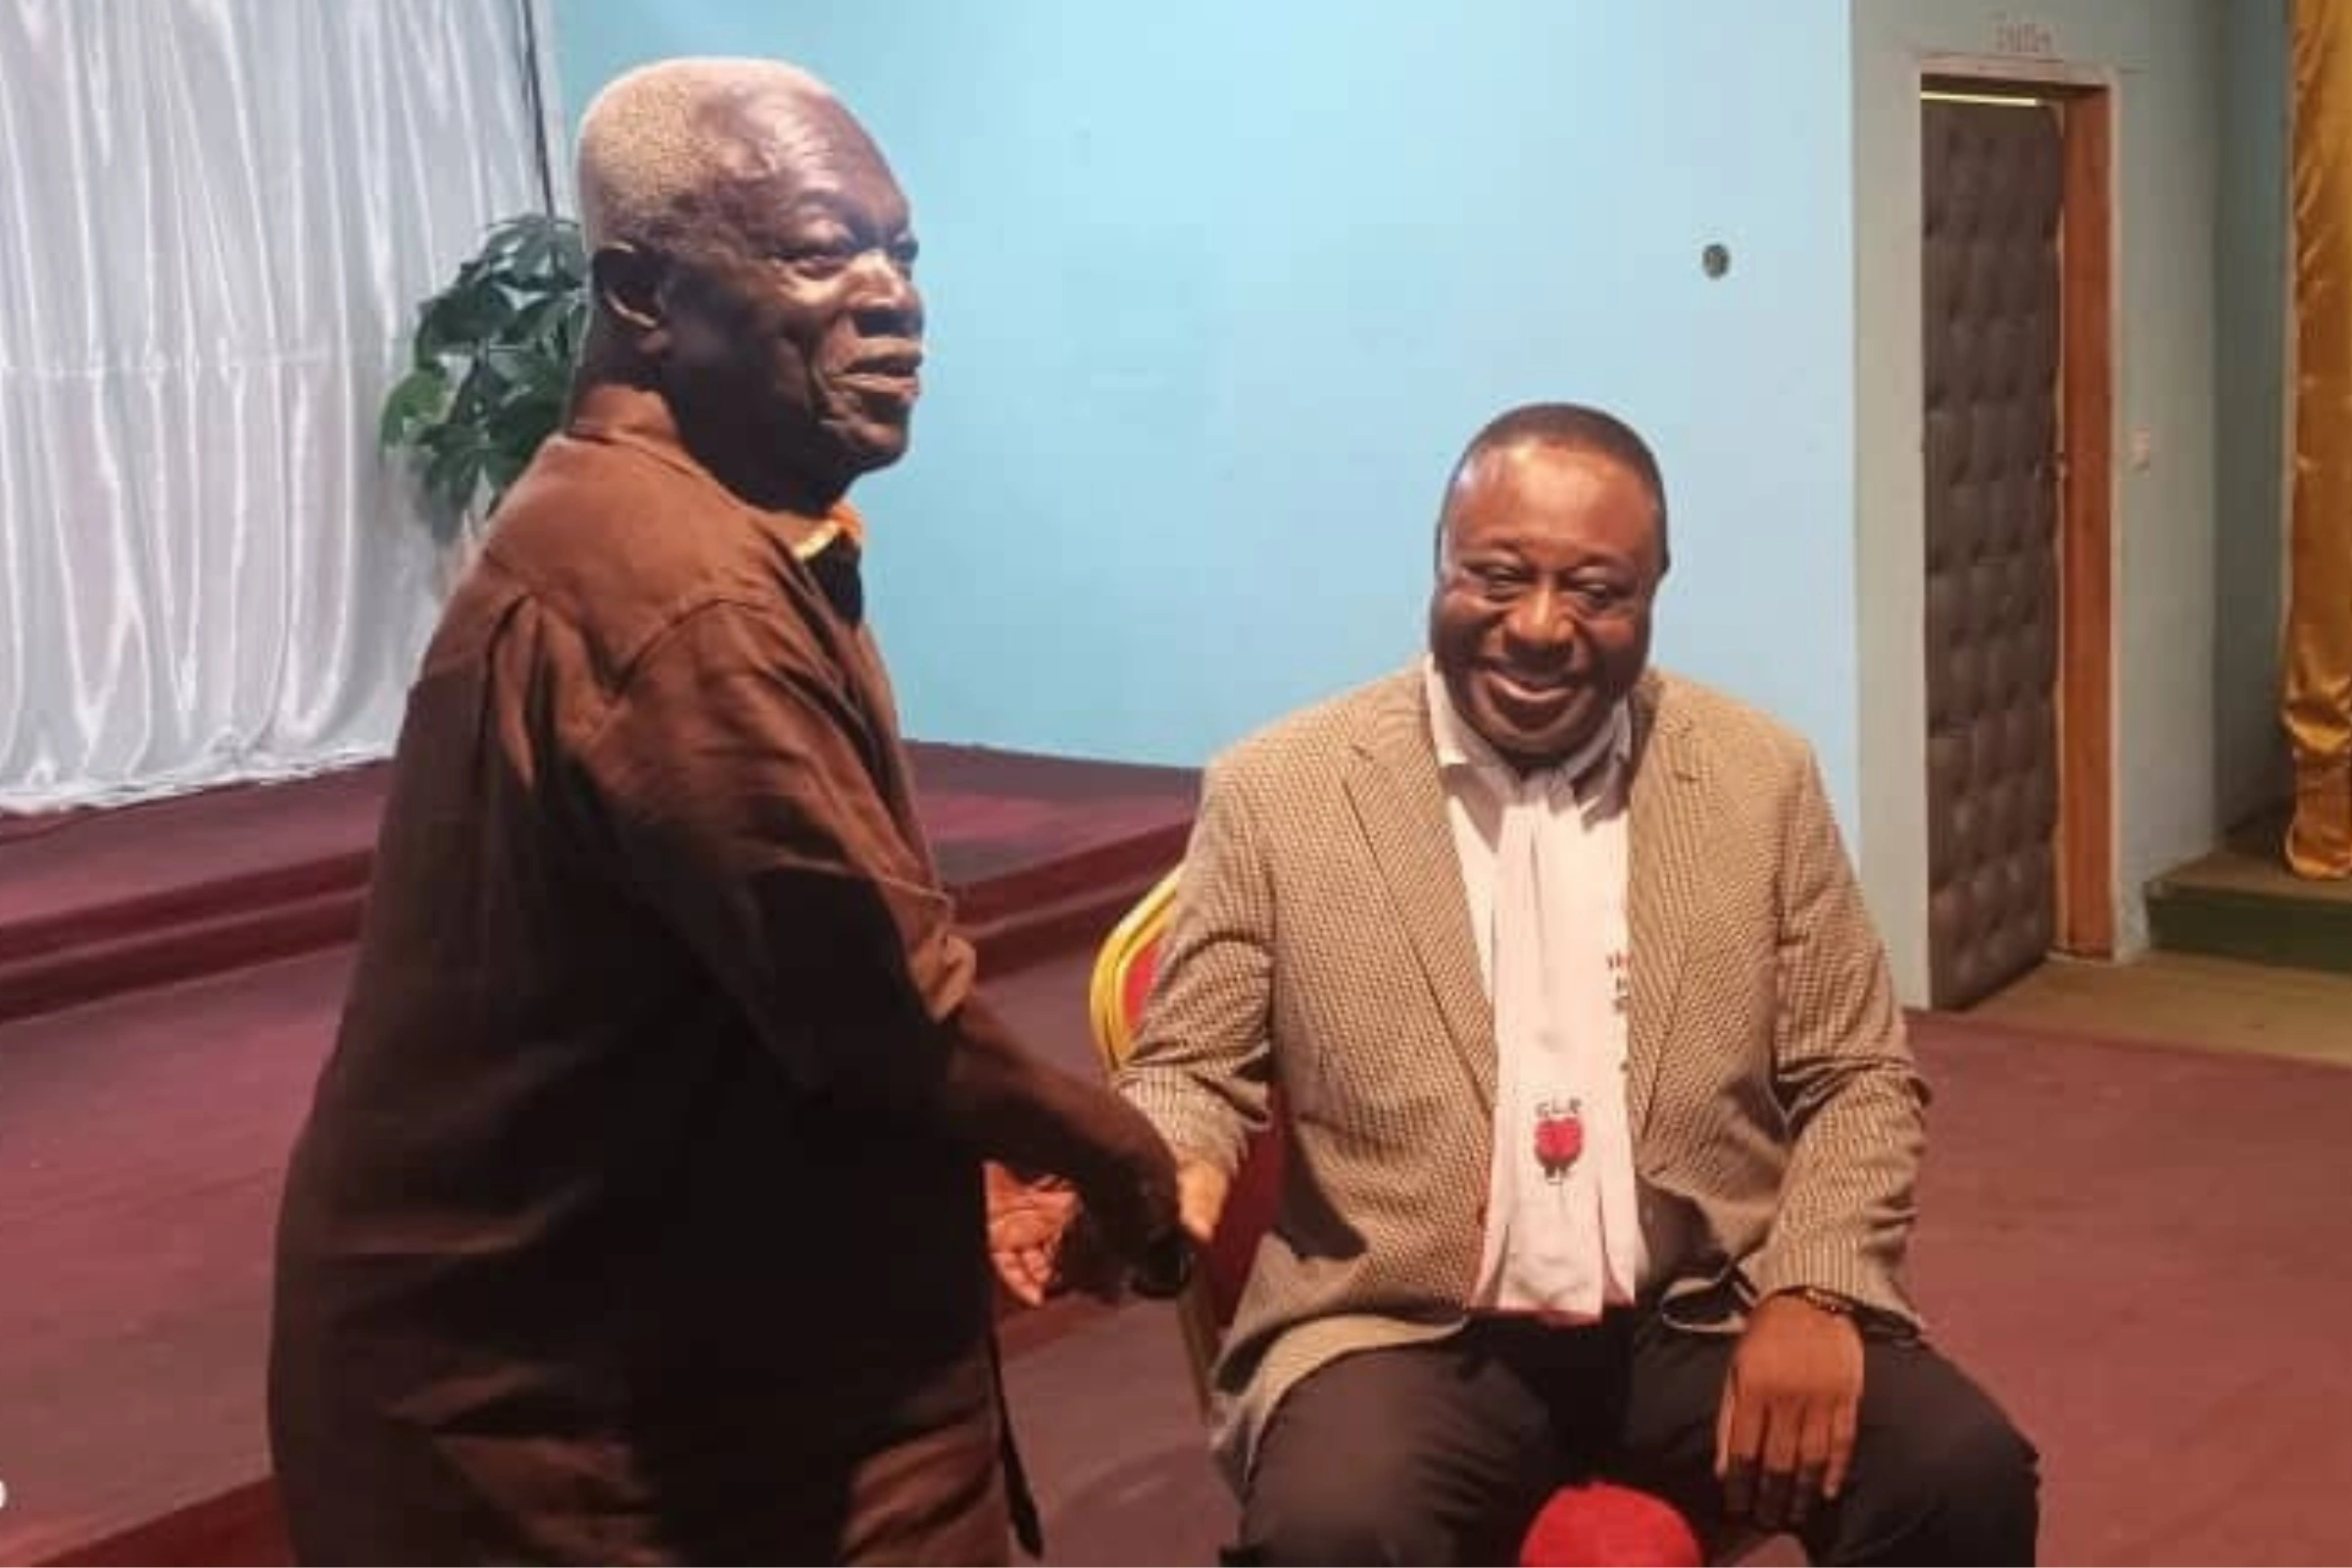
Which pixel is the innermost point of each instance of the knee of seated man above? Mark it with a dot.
(1974, 1457)
(1358, 1512)
(1328, 1516)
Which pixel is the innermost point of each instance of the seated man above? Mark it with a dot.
(1602, 1123)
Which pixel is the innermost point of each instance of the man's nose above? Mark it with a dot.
(1541, 619)
(886, 300)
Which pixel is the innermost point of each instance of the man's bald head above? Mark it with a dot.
(665, 147)
(753, 261)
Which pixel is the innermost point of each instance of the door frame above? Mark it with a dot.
(2084, 846)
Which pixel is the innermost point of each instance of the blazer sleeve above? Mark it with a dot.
(1202, 1062)
(1845, 1078)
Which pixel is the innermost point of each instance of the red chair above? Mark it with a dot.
(1591, 1522)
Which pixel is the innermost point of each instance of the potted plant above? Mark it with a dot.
(493, 356)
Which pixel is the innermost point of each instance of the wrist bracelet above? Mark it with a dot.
(1821, 1300)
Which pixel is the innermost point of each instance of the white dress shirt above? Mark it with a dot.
(1543, 866)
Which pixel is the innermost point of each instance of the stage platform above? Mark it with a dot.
(2242, 902)
(170, 977)
(1039, 851)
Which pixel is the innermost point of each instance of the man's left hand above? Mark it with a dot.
(1028, 1222)
(1039, 1241)
(1785, 1434)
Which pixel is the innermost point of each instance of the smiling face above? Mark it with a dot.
(790, 329)
(1539, 623)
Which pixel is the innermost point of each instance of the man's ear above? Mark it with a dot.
(627, 282)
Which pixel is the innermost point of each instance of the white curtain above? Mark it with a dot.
(216, 218)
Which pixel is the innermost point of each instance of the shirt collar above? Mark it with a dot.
(1460, 746)
(844, 522)
(636, 417)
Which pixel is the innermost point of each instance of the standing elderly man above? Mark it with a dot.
(1602, 1123)
(639, 1214)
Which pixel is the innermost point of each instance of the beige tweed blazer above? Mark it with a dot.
(1321, 942)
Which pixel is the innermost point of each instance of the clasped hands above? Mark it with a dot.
(1041, 1242)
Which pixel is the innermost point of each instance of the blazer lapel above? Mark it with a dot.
(1400, 803)
(1666, 868)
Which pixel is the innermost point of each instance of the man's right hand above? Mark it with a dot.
(1200, 1192)
(1128, 1214)
(1163, 1268)
(1130, 1193)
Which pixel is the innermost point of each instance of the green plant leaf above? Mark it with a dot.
(494, 351)
(534, 252)
(520, 423)
(571, 252)
(469, 312)
(417, 399)
(452, 476)
(502, 239)
(500, 471)
(537, 319)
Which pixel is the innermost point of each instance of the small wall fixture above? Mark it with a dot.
(1715, 261)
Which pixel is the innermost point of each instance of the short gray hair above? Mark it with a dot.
(648, 154)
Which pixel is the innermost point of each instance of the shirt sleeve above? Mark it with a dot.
(732, 780)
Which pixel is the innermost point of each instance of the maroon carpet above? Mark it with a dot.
(2145, 1253)
(2148, 1255)
(2142, 1251)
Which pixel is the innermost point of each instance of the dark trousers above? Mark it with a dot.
(1442, 1454)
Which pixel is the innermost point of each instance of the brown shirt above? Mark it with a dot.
(619, 1229)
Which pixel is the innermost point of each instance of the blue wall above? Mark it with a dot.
(1218, 290)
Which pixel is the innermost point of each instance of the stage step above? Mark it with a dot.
(1106, 887)
(209, 931)
(1044, 854)
(2242, 902)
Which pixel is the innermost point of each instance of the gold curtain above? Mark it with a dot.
(2317, 700)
